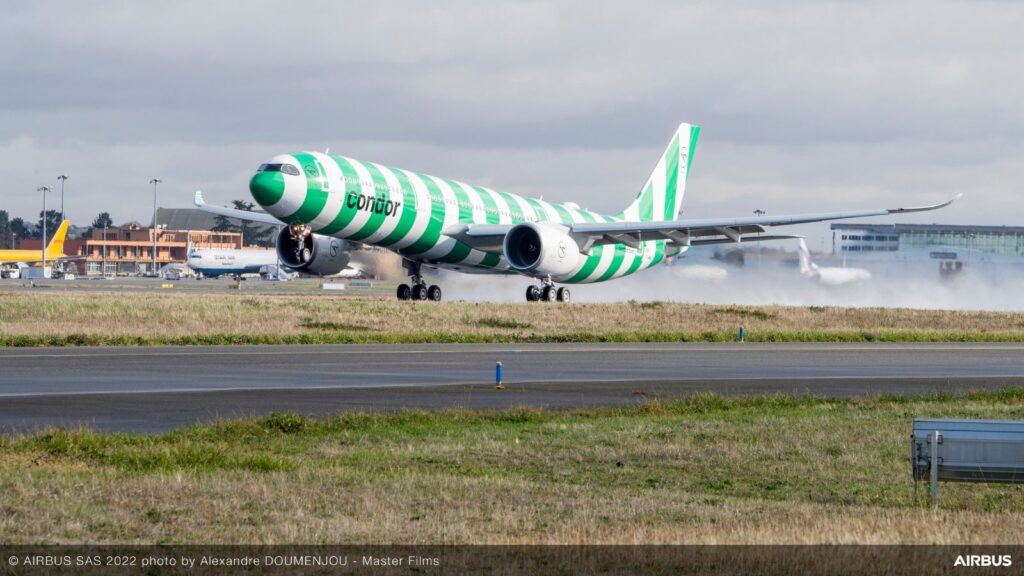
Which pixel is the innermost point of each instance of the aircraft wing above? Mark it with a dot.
(681, 232)
(235, 212)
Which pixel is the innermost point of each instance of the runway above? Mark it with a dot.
(150, 389)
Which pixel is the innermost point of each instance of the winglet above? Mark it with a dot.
(925, 208)
(198, 201)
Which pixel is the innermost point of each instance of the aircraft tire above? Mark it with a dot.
(548, 294)
(434, 293)
(532, 294)
(419, 292)
(404, 292)
(563, 294)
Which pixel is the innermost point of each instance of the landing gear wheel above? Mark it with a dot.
(404, 292)
(548, 294)
(532, 294)
(434, 293)
(419, 292)
(563, 294)
(305, 255)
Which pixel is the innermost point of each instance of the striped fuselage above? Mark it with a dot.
(414, 214)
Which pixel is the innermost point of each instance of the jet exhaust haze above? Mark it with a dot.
(981, 288)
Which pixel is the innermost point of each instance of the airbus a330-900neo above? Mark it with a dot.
(327, 201)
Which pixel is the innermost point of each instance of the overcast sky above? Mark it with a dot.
(804, 107)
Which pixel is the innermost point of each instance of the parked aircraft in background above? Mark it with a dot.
(829, 276)
(54, 250)
(327, 201)
(215, 262)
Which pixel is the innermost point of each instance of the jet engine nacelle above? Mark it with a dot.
(312, 253)
(541, 249)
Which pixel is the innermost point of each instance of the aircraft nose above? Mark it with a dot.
(267, 187)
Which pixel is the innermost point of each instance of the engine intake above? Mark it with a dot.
(541, 249)
(313, 254)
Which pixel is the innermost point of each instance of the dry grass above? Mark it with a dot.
(161, 317)
(704, 470)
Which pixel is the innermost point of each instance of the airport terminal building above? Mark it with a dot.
(128, 250)
(949, 248)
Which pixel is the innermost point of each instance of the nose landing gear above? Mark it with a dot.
(419, 289)
(547, 292)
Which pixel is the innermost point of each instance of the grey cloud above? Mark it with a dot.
(805, 105)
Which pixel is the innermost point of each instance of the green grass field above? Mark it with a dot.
(707, 469)
(42, 318)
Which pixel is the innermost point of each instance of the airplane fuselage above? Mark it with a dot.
(219, 262)
(421, 217)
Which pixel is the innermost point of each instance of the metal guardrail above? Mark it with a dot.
(967, 451)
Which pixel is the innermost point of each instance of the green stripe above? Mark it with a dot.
(462, 200)
(617, 257)
(659, 253)
(432, 233)
(408, 209)
(490, 206)
(315, 198)
(458, 253)
(647, 203)
(491, 260)
(345, 214)
(566, 216)
(694, 134)
(513, 206)
(638, 259)
(376, 220)
(590, 265)
(538, 209)
(671, 179)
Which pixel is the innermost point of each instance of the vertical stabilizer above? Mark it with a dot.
(55, 248)
(662, 195)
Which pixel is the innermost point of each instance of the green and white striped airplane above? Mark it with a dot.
(329, 201)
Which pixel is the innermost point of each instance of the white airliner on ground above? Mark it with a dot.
(327, 201)
(215, 262)
(829, 276)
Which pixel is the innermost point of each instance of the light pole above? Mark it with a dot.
(154, 182)
(63, 178)
(103, 272)
(44, 190)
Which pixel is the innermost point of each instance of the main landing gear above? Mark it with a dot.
(419, 289)
(547, 292)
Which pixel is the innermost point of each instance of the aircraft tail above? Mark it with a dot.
(55, 248)
(662, 195)
(807, 266)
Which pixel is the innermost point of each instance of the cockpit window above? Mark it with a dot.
(285, 168)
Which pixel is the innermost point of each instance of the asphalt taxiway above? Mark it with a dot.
(148, 389)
